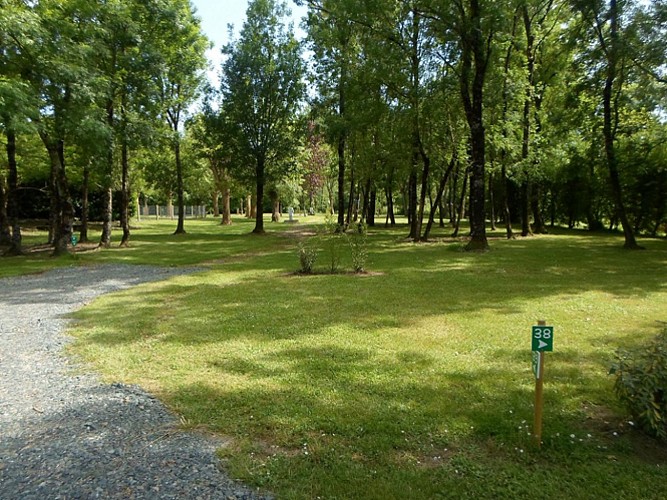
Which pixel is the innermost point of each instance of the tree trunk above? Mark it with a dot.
(372, 207)
(609, 128)
(527, 106)
(539, 227)
(259, 174)
(180, 227)
(249, 207)
(5, 231)
(62, 208)
(16, 247)
(367, 201)
(451, 202)
(353, 193)
(125, 195)
(504, 181)
(441, 211)
(474, 50)
(226, 205)
(85, 204)
(525, 204)
(341, 148)
(506, 203)
(107, 207)
(275, 205)
(391, 217)
(461, 204)
(438, 197)
(424, 189)
(216, 203)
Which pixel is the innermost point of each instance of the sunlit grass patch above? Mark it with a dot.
(412, 382)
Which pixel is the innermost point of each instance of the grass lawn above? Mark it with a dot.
(411, 381)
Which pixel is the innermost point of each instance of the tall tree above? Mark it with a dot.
(604, 21)
(19, 27)
(61, 74)
(182, 48)
(475, 29)
(262, 88)
(332, 37)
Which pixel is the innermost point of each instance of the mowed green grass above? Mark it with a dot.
(412, 381)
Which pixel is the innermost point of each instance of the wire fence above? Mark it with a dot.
(171, 212)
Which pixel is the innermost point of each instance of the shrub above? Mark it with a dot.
(357, 241)
(641, 384)
(331, 238)
(307, 257)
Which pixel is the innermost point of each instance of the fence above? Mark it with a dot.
(171, 212)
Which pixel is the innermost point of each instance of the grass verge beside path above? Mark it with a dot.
(413, 381)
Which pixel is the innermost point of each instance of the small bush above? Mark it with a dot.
(357, 239)
(307, 257)
(641, 384)
(331, 239)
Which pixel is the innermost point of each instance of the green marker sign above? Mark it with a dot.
(537, 361)
(543, 338)
(74, 239)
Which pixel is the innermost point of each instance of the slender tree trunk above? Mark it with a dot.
(63, 210)
(342, 137)
(275, 204)
(609, 128)
(5, 231)
(180, 227)
(367, 200)
(451, 202)
(391, 216)
(412, 199)
(438, 197)
(461, 204)
(539, 227)
(226, 204)
(259, 219)
(125, 194)
(372, 207)
(525, 205)
(353, 193)
(527, 107)
(504, 181)
(441, 210)
(107, 206)
(16, 247)
(492, 203)
(5, 225)
(215, 198)
(506, 203)
(424, 189)
(474, 49)
(85, 204)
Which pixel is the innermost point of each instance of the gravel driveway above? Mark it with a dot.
(71, 436)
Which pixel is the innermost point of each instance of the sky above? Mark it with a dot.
(217, 14)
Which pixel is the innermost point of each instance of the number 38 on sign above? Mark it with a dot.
(543, 338)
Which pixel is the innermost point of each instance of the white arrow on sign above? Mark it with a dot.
(542, 344)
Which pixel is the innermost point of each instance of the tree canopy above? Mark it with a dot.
(528, 113)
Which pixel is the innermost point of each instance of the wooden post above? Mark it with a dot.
(539, 395)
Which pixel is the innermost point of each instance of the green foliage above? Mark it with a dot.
(262, 88)
(411, 383)
(357, 238)
(641, 384)
(331, 236)
(307, 257)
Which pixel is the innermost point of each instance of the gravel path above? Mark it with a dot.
(71, 436)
